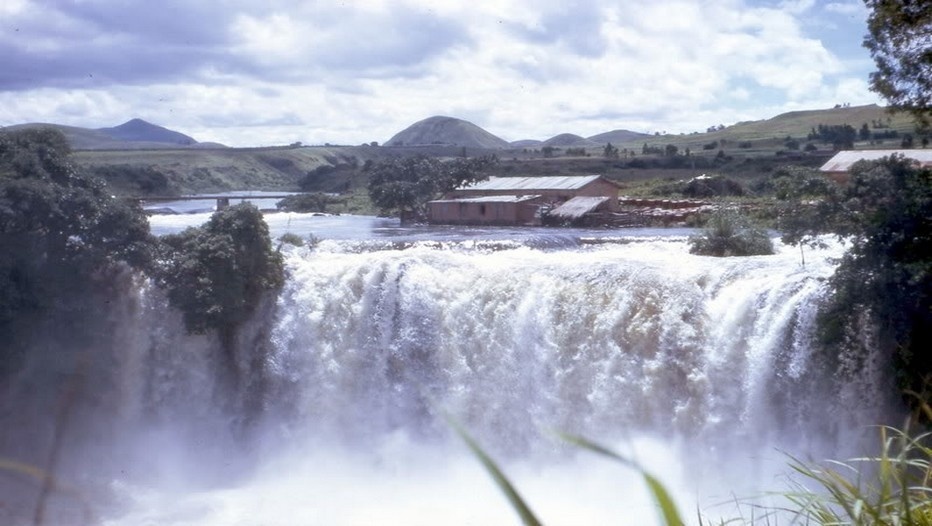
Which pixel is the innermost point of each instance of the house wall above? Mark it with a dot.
(470, 213)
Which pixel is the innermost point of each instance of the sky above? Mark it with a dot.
(271, 72)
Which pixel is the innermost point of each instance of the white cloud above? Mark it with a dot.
(319, 73)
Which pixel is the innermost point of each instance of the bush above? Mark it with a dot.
(216, 274)
(64, 242)
(885, 212)
(727, 233)
(304, 203)
(712, 186)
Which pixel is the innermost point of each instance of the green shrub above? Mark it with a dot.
(289, 238)
(305, 203)
(728, 233)
(712, 186)
(215, 274)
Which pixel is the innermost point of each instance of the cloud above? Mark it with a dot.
(326, 72)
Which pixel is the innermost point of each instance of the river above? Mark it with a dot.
(701, 369)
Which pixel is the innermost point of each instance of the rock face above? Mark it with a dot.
(138, 130)
(447, 131)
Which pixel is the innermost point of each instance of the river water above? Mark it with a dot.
(701, 369)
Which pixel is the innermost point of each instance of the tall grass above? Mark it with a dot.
(893, 488)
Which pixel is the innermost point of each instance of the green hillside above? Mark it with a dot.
(746, 150)
(164, 171)
(770, 134)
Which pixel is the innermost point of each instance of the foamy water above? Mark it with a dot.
(701, 369)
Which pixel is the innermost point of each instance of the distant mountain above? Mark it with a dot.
(618, 136)
(446, 131)
(136, 134)
(569, 140)
(138, 130)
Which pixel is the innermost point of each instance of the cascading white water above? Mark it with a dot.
(702, 368)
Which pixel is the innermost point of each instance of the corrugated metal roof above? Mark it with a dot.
(533, 183)
(842, 161)
(578, 207)
(490, 199)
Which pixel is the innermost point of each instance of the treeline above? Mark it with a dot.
(843, 136)
(65, 240)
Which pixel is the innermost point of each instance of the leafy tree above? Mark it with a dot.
(216, 274)
(885, 278)
(898, 41)
(59, 228)
(728, 233)
(610, 152)
(314, 202)
(408, 183)
(840, 135)
(63, 242)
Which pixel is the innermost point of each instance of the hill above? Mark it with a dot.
(568, 140)
(138, 130)
(618, 137)
(440, 130)
(135, 134)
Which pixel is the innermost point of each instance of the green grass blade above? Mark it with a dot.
(524, 511)
(671, 515)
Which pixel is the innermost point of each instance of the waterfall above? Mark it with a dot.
(703, 368)
(601, 340)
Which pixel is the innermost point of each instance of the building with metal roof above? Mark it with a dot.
(513, 184)
(840, 164)
(525, 200)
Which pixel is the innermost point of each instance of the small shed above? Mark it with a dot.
(840, 164)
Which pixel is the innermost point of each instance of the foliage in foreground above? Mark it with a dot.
(891, 488)
(728, 233)
(884, 280)
(898, 41)
(62, 236)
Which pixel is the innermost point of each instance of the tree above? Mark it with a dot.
(406, 184)
(63, 241)
(610, 152)
(59, 228)
(885, 278)
(216, 274)
(898, 41)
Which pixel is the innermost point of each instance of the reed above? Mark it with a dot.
(891, 488)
